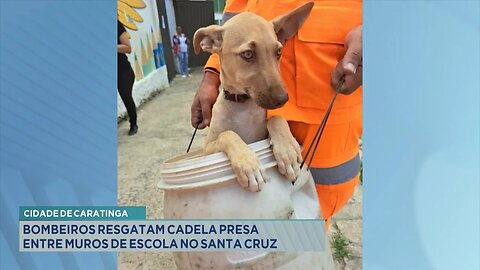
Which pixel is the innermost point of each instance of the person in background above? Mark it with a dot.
(182, 44)
(126, 77)
(176, 51)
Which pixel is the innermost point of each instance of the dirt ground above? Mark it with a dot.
(164, 132)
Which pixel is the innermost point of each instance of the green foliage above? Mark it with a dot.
(339, 244)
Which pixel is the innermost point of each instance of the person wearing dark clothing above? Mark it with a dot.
(126, 77)
(180, 50)
(176, 52)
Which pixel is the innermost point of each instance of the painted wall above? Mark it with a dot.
(147, 59)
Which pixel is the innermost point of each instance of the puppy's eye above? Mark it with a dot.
(279, 53)
(247, 55)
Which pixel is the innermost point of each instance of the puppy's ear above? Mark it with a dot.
(287, 25)
(209, 39)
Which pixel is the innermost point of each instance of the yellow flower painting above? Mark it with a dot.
(127, 14)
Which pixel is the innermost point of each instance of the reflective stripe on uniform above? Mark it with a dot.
(338, 174)
(227, 16)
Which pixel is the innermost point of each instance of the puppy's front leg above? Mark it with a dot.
(286, 149)
(245, 163)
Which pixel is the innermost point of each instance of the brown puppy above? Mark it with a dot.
(250, 49)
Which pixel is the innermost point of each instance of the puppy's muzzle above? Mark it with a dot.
(278, 100)
(275, 101)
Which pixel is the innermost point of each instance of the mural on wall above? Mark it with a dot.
(140, 17)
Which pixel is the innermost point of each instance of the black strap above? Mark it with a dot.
(193, 137)
(318, 134)
(235, 97)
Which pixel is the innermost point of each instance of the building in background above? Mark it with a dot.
(191, 15)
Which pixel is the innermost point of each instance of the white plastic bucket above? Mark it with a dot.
(205, 187)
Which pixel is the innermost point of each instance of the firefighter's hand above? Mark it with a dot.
(351, 64)
(201, 111)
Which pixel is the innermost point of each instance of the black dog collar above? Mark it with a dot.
(235, 97)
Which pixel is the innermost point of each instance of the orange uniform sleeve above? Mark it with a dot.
(213, 64)
(231, 7)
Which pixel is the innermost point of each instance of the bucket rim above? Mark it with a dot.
(182, 165)
(183, 159)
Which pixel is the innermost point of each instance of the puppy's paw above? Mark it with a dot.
(250, 173)
(288, 154)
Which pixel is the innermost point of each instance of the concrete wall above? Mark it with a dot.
(154, 83)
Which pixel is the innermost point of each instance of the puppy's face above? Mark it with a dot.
(250, 57)
(250, 49)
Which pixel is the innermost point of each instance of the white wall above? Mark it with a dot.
(155, 82)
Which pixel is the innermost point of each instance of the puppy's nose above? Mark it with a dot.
(279, 99)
